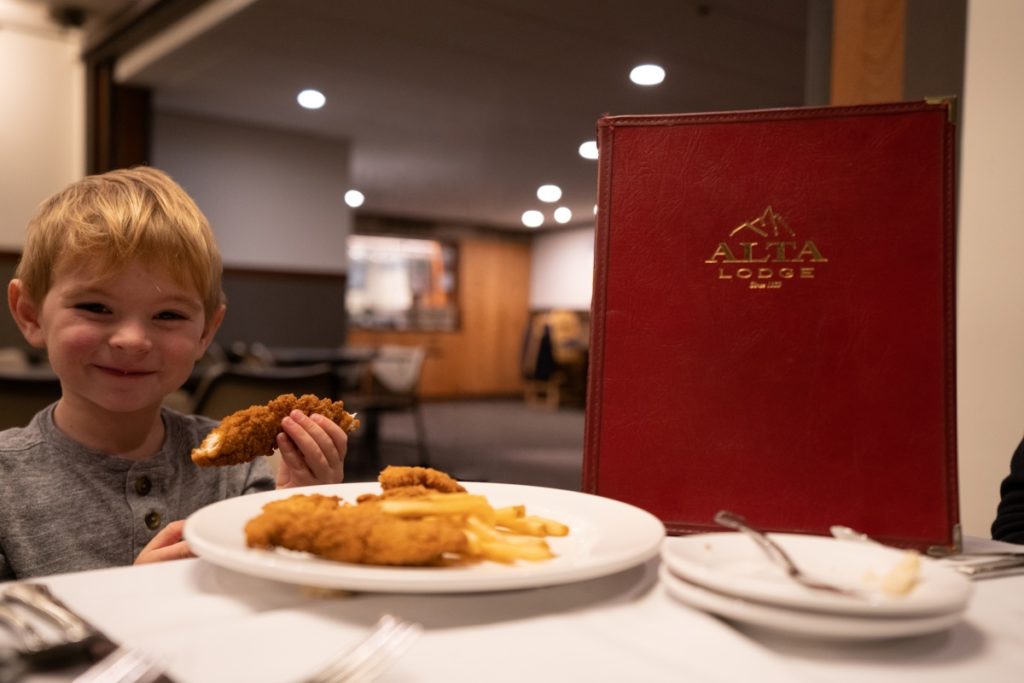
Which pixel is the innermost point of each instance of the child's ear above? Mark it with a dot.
(25, 313)
(211, 329)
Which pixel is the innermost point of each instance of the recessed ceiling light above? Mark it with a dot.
(588, 150)
(647, 74)
(533, 218)
(354, 198)
(563, 214)
(311, 99)
(549, 193)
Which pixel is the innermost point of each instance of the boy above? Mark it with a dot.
(120, 283)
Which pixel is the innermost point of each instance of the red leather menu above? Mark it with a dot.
(773, 320)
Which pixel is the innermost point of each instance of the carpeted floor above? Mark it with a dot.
(498, 441)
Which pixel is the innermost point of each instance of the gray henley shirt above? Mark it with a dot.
(66, 508)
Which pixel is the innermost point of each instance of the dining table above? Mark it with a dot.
(206, 623)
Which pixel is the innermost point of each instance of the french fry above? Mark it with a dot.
(506, 534)
(552, 527)
(473, 545)
(508, 553)
(439, 504)
(484, 531)
(525, 525)
(506, 514)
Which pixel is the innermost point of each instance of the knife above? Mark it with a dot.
(82, 642)
(992, 568)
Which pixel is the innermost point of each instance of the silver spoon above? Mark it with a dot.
(777, 555)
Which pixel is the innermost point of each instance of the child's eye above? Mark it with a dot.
(92, 308)
(171, 315)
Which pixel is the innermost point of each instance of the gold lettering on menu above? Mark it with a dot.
(739, 260)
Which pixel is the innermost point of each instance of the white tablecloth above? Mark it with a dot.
(212, 625)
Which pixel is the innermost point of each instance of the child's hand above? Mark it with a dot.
(312, 451)
(166, 545)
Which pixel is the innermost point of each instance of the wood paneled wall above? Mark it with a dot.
(483, 357)
(868, 47)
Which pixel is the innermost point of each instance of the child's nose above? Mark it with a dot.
(131, 336)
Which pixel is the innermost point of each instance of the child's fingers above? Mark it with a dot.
(293, 460)
(318, 443)
(177, 551)
(336, 438)
(166, 545)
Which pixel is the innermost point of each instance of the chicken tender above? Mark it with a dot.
(392, 477)
(329, 528)
(249, 433)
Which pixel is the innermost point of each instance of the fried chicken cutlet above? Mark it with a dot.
(249, 433)
(392, 477)
(329, 528)
(411, 482)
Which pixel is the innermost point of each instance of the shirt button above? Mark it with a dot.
(143, 486)
(153, 520)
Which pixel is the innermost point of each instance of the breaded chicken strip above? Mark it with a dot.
(392, 477)
(242, 436)
(326, 527)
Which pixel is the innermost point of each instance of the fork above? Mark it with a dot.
(123, 665)
(369, 658)
(71, 642)
(777, 555)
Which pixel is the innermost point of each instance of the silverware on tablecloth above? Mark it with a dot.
(777, 555)
(370, 657)
(979, 568)
(76, 639)
(123, 665)
(975, 564)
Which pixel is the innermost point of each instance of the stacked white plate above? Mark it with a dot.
(728, 575)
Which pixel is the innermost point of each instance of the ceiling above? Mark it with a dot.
(457, 110)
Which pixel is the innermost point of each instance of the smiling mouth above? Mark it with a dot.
(120, 372)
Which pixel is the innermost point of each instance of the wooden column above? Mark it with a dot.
(119, 117)
(868, 47)
(118, 120)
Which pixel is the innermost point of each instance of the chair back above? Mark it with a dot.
(397, 369)
(393, 387)
(228, 388)
(25, 393)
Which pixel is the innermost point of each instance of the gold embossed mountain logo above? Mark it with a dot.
(765, 253)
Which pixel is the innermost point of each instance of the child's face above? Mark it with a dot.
(122, 342)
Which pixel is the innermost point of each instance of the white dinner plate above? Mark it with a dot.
(731, 563)
(606, 536)
(803, 623)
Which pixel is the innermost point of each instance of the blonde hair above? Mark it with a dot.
(111, 219)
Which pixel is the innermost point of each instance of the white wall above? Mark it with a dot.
(42, 114)
(562, 269)
(991, 287)
(274, 197)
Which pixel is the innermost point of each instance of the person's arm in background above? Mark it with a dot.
(1009, 523)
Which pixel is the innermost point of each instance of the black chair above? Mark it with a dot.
(25, 393)
(225, 389)
(391, 385)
